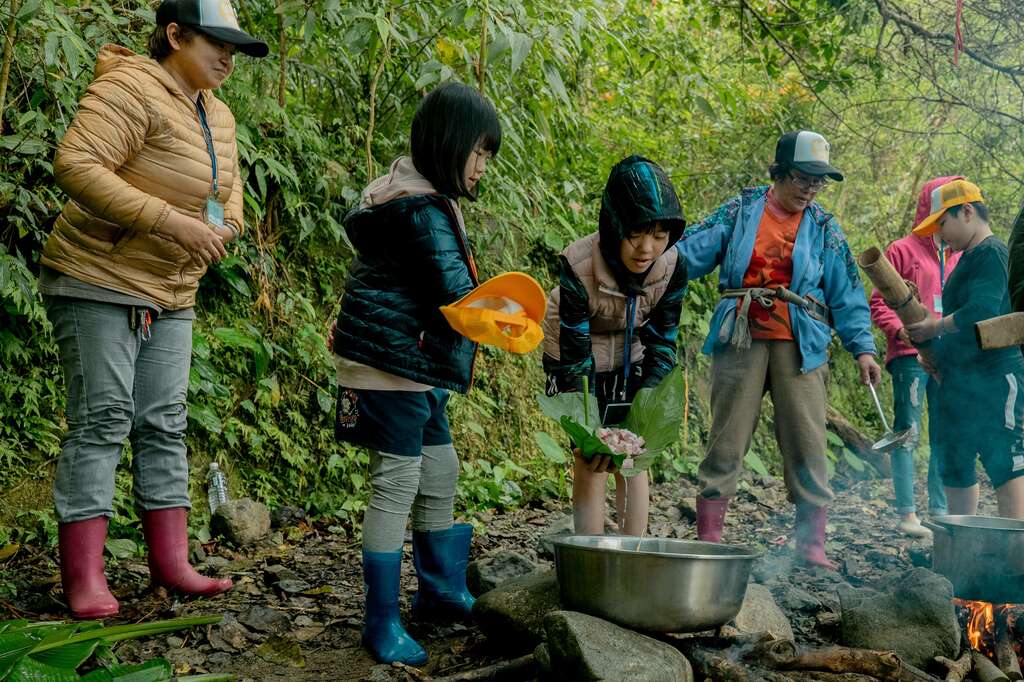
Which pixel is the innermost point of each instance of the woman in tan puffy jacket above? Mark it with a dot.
(150, 164)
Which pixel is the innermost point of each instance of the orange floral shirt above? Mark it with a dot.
(771, 265)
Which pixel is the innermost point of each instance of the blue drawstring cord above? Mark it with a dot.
(628, 350)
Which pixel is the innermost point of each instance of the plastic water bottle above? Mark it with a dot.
(217, 487)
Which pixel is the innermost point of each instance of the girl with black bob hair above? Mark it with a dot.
(397, 359)
(452, 123)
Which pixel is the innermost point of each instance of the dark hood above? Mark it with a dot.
(638, 192)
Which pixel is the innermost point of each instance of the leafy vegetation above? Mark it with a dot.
(54, 651)
(702, 87)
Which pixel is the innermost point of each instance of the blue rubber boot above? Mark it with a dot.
(383, 634)
(441, 557)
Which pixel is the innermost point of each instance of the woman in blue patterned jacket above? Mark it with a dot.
(787, 279)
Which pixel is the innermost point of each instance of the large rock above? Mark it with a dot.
(582, 647)
(496, 568)
(911, 614)
(513, 613)
(561, 526)
(243, 521)
(760, 613)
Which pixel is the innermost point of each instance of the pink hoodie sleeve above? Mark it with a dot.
(882, 315)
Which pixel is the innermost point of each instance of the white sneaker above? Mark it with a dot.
(914, 529)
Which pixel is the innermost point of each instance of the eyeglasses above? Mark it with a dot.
(809, 183)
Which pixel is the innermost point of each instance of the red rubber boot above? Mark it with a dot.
(711, 518)
(810, 536)
(81, 568)
(166, 532)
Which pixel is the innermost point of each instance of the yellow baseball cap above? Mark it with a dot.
(945, 197)
(505, 311)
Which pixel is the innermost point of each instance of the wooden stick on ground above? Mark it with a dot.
(1006, 657)
(885, 665)
(520, 668)
(958, 669)
(986, 670)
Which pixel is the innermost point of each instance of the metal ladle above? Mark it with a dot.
(889, 440)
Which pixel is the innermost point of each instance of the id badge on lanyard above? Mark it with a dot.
(214, 212)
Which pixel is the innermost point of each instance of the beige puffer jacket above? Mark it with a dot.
(134, 152)
(607, 304)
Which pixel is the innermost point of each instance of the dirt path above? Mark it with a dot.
(296, 610)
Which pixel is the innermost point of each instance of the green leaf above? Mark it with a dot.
(238, 339)
(752, 460)
(834, 439)
(281, 651)
(657, 412)
(555, 83)
(121, 632)
(550, 447)
(588, 443)
(521, 46)
(122, 548)
(30, 146)
(206, 417)
(325, 400)
(30, 670)
(855, 462)
(157, 670)
(570, 404)
(20, 638)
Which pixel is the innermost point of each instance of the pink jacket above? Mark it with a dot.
(917, 260)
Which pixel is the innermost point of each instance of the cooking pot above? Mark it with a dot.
(983, 556)
(655, 584)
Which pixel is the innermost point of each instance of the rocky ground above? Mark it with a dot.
(296, 609)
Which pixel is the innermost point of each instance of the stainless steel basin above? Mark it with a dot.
(654, 584)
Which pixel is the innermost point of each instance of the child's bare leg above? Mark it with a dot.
(963, 501)
(1010, 497)
(587, 498)
(620, 503)
(636, 494)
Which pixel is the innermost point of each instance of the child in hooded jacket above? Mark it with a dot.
(614, 317)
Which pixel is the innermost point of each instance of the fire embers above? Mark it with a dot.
(992, 634)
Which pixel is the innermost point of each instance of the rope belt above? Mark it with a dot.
(740, 338)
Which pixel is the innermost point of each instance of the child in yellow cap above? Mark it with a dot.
(981, 406)
(614, 318)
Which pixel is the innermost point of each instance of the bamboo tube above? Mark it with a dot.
(1000, 332)
(895, 292)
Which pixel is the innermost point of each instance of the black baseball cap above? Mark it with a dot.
(215, 18)
(808, 152)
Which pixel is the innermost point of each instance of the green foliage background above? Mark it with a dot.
(702, 87)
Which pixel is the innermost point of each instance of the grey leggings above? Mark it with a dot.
(424, 485)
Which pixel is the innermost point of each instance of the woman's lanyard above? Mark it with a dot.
(214, 208)
(942, 265)
(937, 304)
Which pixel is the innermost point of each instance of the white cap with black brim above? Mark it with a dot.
(215, 18)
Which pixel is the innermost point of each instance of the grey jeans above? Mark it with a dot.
(120, 385)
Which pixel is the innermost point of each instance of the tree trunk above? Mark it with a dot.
(857, 442)
(5, 70)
